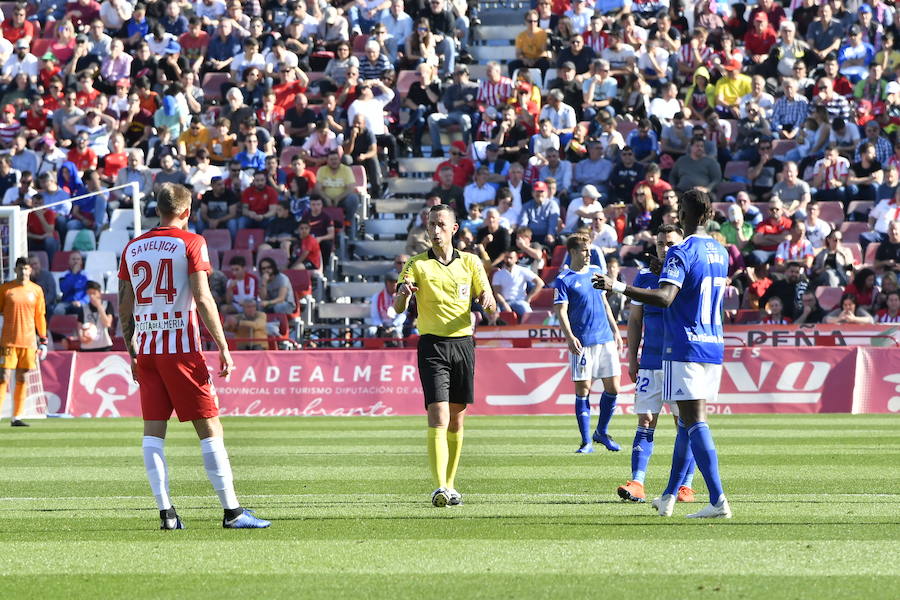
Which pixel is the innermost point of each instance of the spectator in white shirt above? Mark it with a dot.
(479, 191)
(561, 115)
(582, 214)
(511, 282)
(604, 236)
(816, 229)
(21, 61)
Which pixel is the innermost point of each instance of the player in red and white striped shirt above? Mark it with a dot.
(891, 314)
(496, 89)
(797, 247)
(163, 289)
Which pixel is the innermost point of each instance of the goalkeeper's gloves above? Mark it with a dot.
(42, 348)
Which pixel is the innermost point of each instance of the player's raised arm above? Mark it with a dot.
(209, 313)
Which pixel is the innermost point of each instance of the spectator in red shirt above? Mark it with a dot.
(116, 160)
(9, 126)
(308, 255)
(49, 77)
(86, 96)
(81, 153)
(760, 39)
(772, 231)
(863, 288)
(42, 229)
(259, 202)
(655, 182)
(194, 42)
(321, 225)
(37, 118)
(773, 11)
(463, 167)
(17, 27)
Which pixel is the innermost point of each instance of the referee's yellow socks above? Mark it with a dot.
(454, 446)
(19, 398)
(438, 455)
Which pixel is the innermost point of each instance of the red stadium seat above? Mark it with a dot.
(300, 281)
(548, 274)
(832, 212)
(212, 85)
(543, 299)
(871, 249)
(736, 168)
(249, 239)
(535, 317)
(856, 250)
(559, 255)
(229, 254)
(337, 215)
(730, 188)
(405, 79)
(852, 230)
(40, 46)
(64, 325)
(218, 239)
(61, 261)
(277, 254)
(509, 317)
(861, 207)
(288, 154)
(829, 296)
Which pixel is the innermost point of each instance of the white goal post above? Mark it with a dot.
(14, 224)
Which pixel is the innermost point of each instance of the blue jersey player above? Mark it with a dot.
(647, 373)
(690, 288)
(593, 339)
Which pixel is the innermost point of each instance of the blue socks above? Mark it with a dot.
(607, 408)
(641, 451)
(688, 480)
(681, 459)
(583, 414)
(707, 460)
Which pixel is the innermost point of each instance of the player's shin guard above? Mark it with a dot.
(157, 470)
(218, 471)
(707, 460)
(583, 414)
(19, 394)
(454, 449)
(641, 451)
(438, 455)
(680, 460)
(607, 408)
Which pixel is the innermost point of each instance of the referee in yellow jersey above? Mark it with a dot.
(445, 282)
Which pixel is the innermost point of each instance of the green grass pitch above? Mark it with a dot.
(816, 502)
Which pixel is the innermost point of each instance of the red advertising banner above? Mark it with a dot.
(877, 388)
(507, 382)
(56, 374)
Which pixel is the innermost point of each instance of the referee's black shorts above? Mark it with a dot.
(447, 369)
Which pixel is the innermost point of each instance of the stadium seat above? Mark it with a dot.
(871, 250)
(122, 218)
(113, 240)
(852, 230)
(746, 317)
(283, 329)
(277, 254)
(543, 299)
(359, 45)
(626, 127)
(721, 208)
(399, 206)
(856, 250)
(39, 46)
(249, 239)
(422, 167)
(212, 85)
(388, 228)
(832, 212)
(535, 317)
(731, 299)
(64, 325)
(730, 188)
(508, 317)
(548, 274)
(218, 239)
(736, 168)
(829, 296)
(366, 268)
(61, 261)
(400, 186)
(300, 281)
(42, 258)
(559, 255)
(70, 239)
(229, 254)
(378, 248)
(288, 154)
(781, 147)
(335, 311)
(354, 290)
(859, 207)
(100, 264)
(337, 215)
(405, 79)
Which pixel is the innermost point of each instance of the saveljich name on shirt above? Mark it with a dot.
(153, 245)
(160, 325)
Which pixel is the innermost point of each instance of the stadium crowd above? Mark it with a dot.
(287, 118)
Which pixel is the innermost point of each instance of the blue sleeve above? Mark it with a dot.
(561, 295)
(675, 267)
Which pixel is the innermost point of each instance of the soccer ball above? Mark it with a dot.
(88, 332)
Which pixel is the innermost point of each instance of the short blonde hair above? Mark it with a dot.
(172, 199)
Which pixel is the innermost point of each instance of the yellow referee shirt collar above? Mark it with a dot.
(453, 256)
